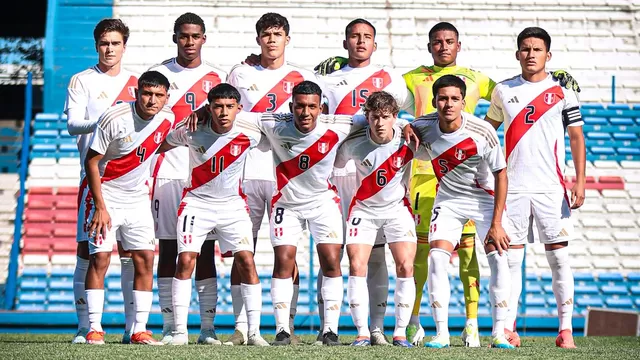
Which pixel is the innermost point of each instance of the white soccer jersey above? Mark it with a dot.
(188, 92)
(535, 117)
(380, 172)
(128, 143)
(216, 161)
(265, 90)
(89, 95)
(463, 161)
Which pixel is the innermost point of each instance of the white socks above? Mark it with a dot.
(181, 300)
(294, 305)
(239, 312)
(79, 276)
(252, 296)
(281, 293)
(499, 290)
(208, 300)
(127, 273)
(404, 297)
(563, 285)
(359, 303)
(332, 292)
(166, 306)
(95, 306)
(378, 283)
(142, 301)
(439, 289)
(515, 258)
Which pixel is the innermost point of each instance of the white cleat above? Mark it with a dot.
(318, 341)
(415, 335)
(167, 336)
(179, 338)
(208, 337)
(81, 336)
(378, 338)
(237, 338)
(256, 340)
(470, 336)
(438, 342)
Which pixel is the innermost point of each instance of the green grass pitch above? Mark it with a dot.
(36, 346)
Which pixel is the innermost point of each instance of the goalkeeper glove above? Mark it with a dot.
(566, 80)
(330, 65)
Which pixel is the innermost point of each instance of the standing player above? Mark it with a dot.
(379, 204)
(265, 87)
(191, 79)
(346, 91)
(90, 93)
(214, 200)
(465, 152)
(118, 161)
(536, 113)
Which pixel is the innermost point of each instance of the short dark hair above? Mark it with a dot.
(447, 81)
(355, 22)
(535, 32)
(272, 20)
(381, 101)
(224, 91)
(307, 88)
(188, 18)
(153, 78)
(443, 26)
(109, 25)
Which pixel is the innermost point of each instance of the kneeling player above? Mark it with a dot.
(214, 201)
(126, 137)
(381, 156)
(464, 151)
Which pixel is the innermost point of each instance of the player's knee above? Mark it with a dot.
(357, 267)
(244, 261)
(558, 257)
(404, 268)
(186, 264)
(100, 262)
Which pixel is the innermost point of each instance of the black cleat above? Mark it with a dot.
(282, 338)
(330, 339)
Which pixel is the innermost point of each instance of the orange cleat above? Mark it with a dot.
(513, 337)
(95, 337)
(565, 340)
(144, 338)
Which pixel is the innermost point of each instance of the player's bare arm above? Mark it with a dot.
(497, 238)
(101, 221)
(578, 153)
(494, 123)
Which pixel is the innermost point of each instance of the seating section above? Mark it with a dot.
(10, 144)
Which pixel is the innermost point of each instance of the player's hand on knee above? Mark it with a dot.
(100, 223)
(577, 195)
(330, 65)
(252, 60)
(498, 238)
(410, 136)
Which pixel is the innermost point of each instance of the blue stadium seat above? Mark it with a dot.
(10, 133)
(61, 298)
(602, 150)
(31, 307)
(114, 285)
(614, 290)
(44, 147)
(45, 125)
(68, 147)
(619, 303)
(115, 298)
(33, 298)
(586, 289)
(621, 121)
(61, 307)
(625, 136)
(539, 311)
(618, 107)
(637, 302)
(635, 290)
(590, 301)
(548, 289)
(611, 276)
(53, 134)
(116, 308)
(34, 272)
(47, 117)
(634, 276)
(583, 276)
(61, 285)
(534, 289)
(531, 276)
(591, 106)
(588, 120)
(535, 301)
(598, 136)
(33, 285)
(633, 151)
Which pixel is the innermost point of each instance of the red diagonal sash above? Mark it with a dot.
(127, 93)
(279, 94)
(351, 103)
(195, 96)
(529, 115)
(454, 156)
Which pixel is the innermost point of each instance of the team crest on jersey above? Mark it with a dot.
(397, 162)
(460, 154)
(207, 85)
(132, 91)
(323, 147)
(549, 98)
(158, 137)
(287, 86)
(235, 149)
(378, 83)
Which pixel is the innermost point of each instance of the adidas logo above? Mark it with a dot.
(201, 150)
(353, 306)
(103, 95)
(167, 310)
(502, 304)
(382, 304)
(564, 232)
(366, 163)
(343, 82)
(244, 241)
(436, 305)
(253, 87)
(514, 100)
(173, 86)
(333, 235)
(211, 311)
(334, 308)
(406, 306)
(286, 145)
(81, 301)
(568, 302)
(280, 306)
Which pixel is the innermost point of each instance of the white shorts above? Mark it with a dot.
(133, 227)
(325, 223)
(231, 223)
(448, 217)
(398, 229)
(165, 199)
(259, 194)
(551, 212)
(84, 209)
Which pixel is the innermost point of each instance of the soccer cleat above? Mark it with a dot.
(179, 338)
(402, 343)
(256, 340)
(81, 336)
(282, 338)
(318, 341)
(501, 342)
(330, 339)
(415, 334)
(144, 338)
(378, 338)
(565, 340)
(126, 337)
(237, 338)
(95, 337)
(438, 342)
(513, 337)
(167, 336)
(208, 337)
(361, 342)
(470, 336)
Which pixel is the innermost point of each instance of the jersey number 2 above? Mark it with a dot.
(527, 116)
